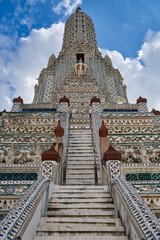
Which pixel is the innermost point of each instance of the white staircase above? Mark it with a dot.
(80, 165)
(80, 213)
(80, 210)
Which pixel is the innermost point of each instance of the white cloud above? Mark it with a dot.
(27, 21)
(34, 2)
(141, 74)
(19, 70)
(68, 5)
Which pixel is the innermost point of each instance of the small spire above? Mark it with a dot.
(103, 131)
(78, 10)
(59, 131)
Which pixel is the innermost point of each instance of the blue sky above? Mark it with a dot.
(127, 30)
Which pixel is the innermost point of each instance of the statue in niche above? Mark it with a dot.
(37, 156)
(10, 155)
(144, 155)
(2, 156)
(80, 68)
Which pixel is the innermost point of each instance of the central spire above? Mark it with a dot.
(79, 28)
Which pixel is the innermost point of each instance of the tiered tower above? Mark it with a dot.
(98, 78)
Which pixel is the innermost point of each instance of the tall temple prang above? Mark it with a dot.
(79, 57)
(80, 161)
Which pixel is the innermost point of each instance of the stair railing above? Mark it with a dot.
(21, 221)
(95, 153)
(15, 224)
(138, 219)
(140, 222)
(66, 155)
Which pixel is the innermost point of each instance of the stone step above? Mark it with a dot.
(97, 188)
(80, 158)
(85, 161)
(80, 205)
(81, 191)
(83, 126)
(83, 220)
(82, 135)
(85, 182)
(78, 219)
(81, 171)
(81, 200)
(89, 167)
(79, 224)
(81, 237)
(83, 143)
(80, 139)
(75, 175)
(80, 162)
(79, 177)
(80, 151)
(79, 142)
(81, 146)
(79, 165)
(102, 230)
(80, 154)
(80, 126)
(82, 212)
(81, 196)
(80, 131)
(72, 156)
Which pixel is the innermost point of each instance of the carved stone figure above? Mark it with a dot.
(80, 68)
(10, 157)
(144, 155)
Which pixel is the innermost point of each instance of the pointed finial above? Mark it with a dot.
(78, 9)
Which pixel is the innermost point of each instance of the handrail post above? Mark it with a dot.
(115, 202)
(64, 166)
(95, 173)
(64, 173)
(94, 151)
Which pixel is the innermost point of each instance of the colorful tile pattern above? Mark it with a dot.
(13, 189)
(149, 224)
